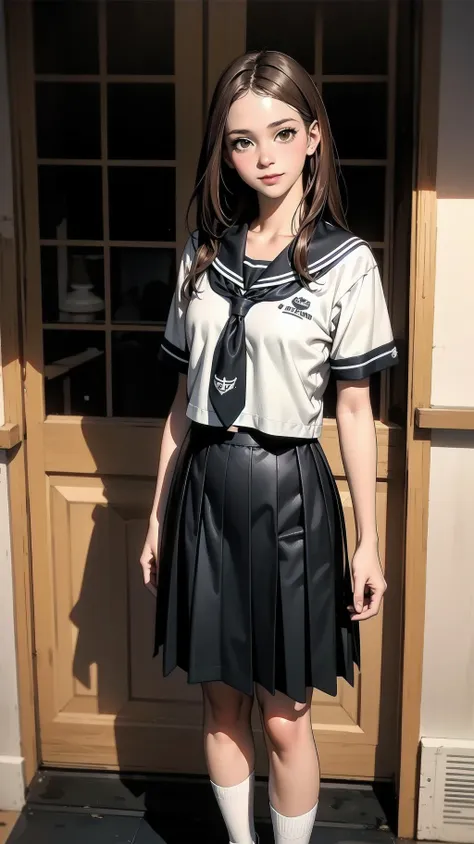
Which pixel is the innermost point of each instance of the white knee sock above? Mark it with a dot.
(236, 805)
(297, 829)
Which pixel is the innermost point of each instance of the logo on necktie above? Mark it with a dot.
(224, 385)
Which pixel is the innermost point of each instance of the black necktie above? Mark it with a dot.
(229, 364)
(227, 385)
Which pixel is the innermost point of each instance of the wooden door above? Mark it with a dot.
(108, 101)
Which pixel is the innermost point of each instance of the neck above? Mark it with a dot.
(277, 216)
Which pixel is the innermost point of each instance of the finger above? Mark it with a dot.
(369, 609)
(146, 569)
(359, 589)
(376, 600)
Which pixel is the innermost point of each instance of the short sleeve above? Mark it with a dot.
(362, 339)
(174, 350)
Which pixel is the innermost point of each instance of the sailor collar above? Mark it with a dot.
(327, 247)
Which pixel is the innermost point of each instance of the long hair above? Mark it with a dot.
(222, 198)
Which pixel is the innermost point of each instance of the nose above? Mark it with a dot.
(265, 157)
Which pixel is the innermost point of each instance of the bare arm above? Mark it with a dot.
(359, 454)
(174, 432)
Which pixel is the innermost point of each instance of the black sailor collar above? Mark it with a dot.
(329, 245)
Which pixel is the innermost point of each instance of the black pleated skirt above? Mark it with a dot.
(254, 580)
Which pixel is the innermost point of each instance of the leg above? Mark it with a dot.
(229, 751)
(294, 765)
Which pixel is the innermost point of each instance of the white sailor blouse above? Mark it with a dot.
(258, 346)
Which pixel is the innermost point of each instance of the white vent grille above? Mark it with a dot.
(459, 790)
(446, 806)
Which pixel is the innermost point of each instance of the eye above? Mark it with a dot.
(237, 144)
(287, 134)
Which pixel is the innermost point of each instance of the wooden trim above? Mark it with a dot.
(109, 77)
(449, 418)
(100, 326)
(12, 438)
(23, 104)
(104, 148)
(421, 314)
(188, 51)
(227, 36)
(354, 77)
(126, 244)
(109, 162)
(9, 435)
(72, 445)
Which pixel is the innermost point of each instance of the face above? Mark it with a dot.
(267, 143)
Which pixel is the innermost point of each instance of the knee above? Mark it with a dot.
(224, 712)
(285, 730)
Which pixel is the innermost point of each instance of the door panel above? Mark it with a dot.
(104, 185)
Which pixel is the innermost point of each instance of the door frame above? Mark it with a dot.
(421, 313)
(420, 334)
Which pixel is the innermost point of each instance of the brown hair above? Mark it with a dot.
(222, 198)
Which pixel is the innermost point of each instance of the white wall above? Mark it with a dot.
(11, 762)
(453, 372)
(448, 670)
(448, 665)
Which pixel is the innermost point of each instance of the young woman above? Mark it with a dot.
(247, 530)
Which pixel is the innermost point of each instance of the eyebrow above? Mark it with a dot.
(270, 126)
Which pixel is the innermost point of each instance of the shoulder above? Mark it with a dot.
(338, 259)
(358, 262)
(356, 265)
(191, 244)
(187, 255)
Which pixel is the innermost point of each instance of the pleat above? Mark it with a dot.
(319, 575)
(167, 544)
(168, 615)
(205, 662)
(347, 631)
(264, 565)
(236, 561)
(291, 644)
(191, 523)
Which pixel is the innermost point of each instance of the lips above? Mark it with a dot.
(271, 178)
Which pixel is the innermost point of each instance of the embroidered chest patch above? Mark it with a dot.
(298, 308)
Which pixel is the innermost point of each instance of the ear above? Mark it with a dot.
(314, 138)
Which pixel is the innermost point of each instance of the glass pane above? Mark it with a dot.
(142, 283)
(68, 120)
(72, 284)
(141, 386)
(66, 36)
(142, 203)
(70, 202)
(287, 25)
(140, 36)
(74, 372)
(141, 121)
(358, 116)
(363, 197)
(355, 36)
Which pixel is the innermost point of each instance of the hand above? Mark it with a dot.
(149, 555)
(369, 583)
